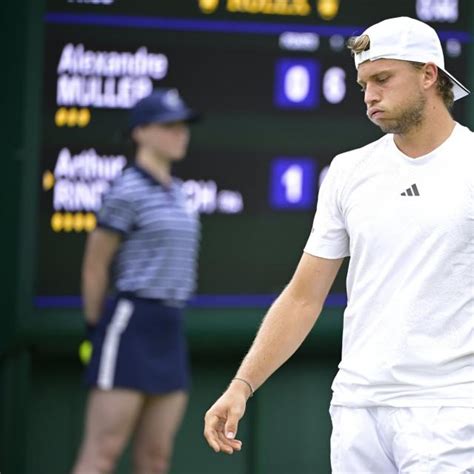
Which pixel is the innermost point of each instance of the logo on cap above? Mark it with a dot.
(172, 100)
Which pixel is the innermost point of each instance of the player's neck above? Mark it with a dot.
(159, 168)
(434, 130)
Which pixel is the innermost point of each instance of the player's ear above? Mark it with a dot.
(430, 75)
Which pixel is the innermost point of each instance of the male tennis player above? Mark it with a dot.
(402, 208)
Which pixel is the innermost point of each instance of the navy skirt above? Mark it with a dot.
(139, 344)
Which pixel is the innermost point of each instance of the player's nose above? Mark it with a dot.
(371, 95)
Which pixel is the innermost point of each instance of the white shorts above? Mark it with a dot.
(386, 440)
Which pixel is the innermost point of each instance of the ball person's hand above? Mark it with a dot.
(222, 420)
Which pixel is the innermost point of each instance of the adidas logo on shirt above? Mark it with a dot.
(411, 191)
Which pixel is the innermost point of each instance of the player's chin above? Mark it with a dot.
(176, 157)
(376, 121)
(384, 125)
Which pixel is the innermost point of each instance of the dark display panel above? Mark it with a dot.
(277, 90)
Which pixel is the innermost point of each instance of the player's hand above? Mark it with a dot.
(86, 347)
(222, 420)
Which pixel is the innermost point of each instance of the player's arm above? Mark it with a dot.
(101, 247)
(284, 328)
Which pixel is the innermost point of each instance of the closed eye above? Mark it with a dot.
(382, 79)
(378, 79)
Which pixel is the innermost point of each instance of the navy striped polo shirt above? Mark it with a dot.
(158, 254)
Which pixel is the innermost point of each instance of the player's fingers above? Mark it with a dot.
(235, 444)
(212, 426)
(213, 442)
(232, 424)
(228, 446)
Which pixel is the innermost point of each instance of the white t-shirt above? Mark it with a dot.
(408, 226)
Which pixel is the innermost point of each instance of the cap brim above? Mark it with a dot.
(459, 90)
(187, 115)
(184, 115)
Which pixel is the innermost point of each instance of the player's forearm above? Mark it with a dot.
(283, 329)
(95, 280)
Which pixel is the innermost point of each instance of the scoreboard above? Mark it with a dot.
(277, 90)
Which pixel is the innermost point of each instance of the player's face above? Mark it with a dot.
(168, 141)
(393, 94)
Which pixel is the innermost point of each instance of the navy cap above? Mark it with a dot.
(163, 105)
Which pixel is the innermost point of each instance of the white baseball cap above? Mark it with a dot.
(408, 40)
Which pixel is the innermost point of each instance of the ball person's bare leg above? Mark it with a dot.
(154, 437)
(111, 418)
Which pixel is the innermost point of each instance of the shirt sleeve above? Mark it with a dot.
(117, 212)
(329, 237)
